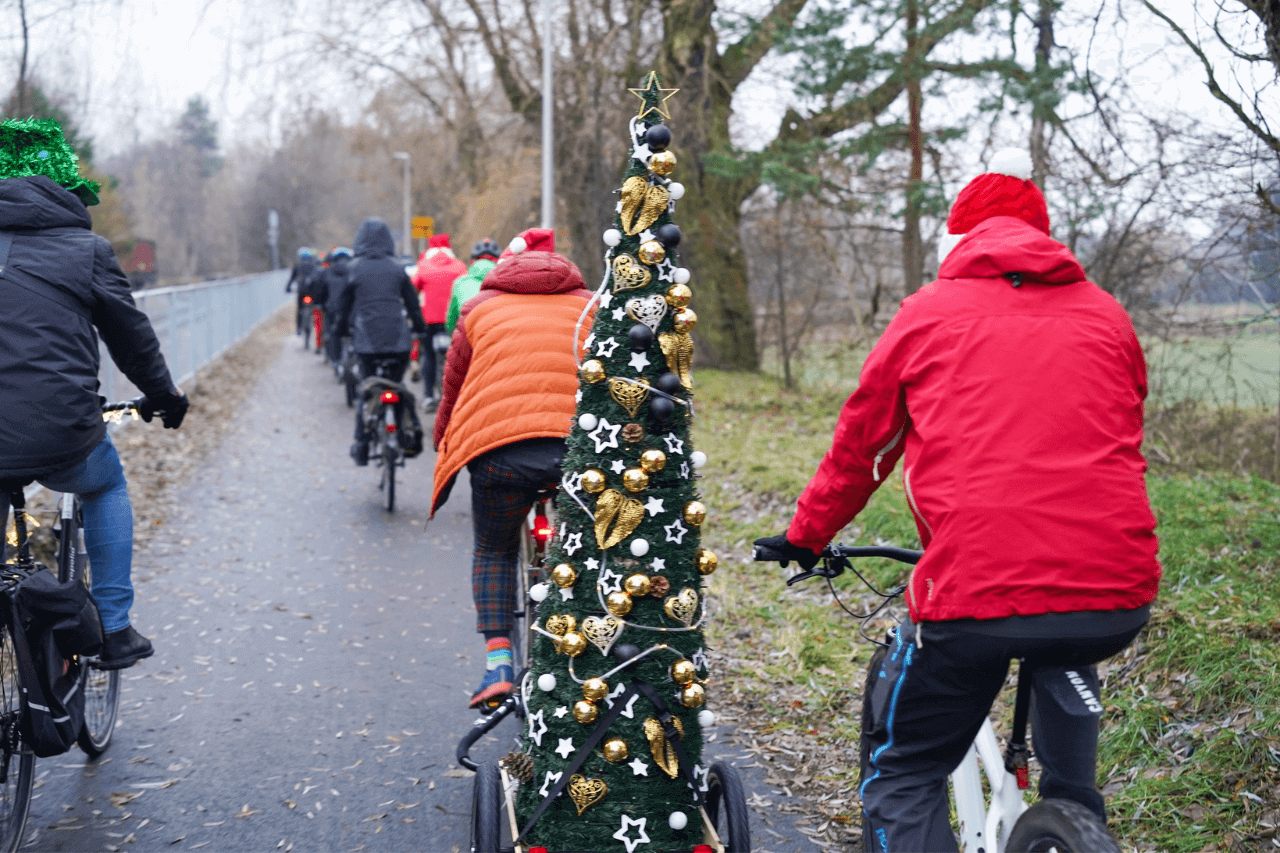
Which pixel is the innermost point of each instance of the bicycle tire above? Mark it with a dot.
(15, 792)
(522, 616)
(1062, 825)
(727, 808)
(101, 688)
(389, 467)
(486, 810)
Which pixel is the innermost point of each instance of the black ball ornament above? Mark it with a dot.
(661, 408)
(669, 235)
(625, 651)
(669, 383)
(658, 137)
(641, 337)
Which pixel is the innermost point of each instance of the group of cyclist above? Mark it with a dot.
(1011, 387)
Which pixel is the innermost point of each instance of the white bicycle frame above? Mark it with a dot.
(983, 829)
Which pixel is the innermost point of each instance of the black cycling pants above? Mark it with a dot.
(430, 359)
(927, 702)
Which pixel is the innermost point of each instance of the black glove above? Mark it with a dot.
(778, 548)
(171, 407)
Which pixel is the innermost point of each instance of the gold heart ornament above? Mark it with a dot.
(616, 517)
(642, 204)
(586, 792)
(602, 632)
(677, 349)
(561, 623)
(682, 607)
(628, 395)
(629, 274)
(664, 754)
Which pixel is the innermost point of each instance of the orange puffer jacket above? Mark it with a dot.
(510, 374)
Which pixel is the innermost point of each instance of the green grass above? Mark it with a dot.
(1190, 750)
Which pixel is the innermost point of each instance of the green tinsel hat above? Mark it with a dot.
(33, 146)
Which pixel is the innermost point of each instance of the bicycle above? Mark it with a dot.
(1006, 824)
(531, 570)
(383, 405)
(100, 687)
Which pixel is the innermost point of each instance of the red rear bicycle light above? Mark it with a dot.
(541, 529)
(390, 397)
(391, 427)
(306, 300)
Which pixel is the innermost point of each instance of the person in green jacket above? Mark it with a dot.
(484, 255)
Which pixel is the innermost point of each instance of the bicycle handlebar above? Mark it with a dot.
(835, 559)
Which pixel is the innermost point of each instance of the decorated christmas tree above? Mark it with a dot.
(616, 692)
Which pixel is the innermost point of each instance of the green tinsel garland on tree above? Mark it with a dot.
(33, 146)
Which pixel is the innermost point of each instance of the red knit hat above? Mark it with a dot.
(1005, 189)
(439, 241)
(532, 240)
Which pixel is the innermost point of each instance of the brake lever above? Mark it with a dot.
(829, 567)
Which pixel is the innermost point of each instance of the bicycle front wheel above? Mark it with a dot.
(1062, 825)
(486, 810)
(727, 808)
(18, 762)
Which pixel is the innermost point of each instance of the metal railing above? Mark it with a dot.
(197, 322)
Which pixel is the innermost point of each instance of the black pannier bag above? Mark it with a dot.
(56, 625)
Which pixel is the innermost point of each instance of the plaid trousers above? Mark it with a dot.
(500, 499)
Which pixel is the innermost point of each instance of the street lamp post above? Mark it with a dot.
(548, 105)
(404, 155)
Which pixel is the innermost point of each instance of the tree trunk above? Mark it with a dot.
(711, 207)
(1040, 111)
(22, 68)
(912, 248)
(783, 343)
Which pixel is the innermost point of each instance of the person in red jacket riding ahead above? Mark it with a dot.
(434, 277)
(1012, 388)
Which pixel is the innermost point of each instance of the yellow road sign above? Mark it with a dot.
(422, 226)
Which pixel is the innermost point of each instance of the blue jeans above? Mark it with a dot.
(108, 529)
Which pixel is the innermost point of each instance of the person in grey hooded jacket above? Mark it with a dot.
(373, 310)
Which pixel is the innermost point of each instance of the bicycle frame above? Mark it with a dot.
(978, 823)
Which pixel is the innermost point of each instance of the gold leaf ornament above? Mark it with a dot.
(682, 607)
(602, 631)
(629, 395)
(629, 274)
(617, 516)
(642, 204)
(677, 349)
(586, 792)
(664, 753)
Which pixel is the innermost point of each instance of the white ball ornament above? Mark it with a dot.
(538, 592)
(680, 275)
(676, 190)
(698, 458)
(588, 421)
(612, 237)
(706, 718)
(639, 547)
(677, 821)
(546, 682)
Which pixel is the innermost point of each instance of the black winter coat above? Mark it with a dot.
(379, 295)
(302, 271)
(335, 284)
(58, 282)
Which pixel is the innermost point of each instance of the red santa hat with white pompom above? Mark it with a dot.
(531, 240)
(1005, 189)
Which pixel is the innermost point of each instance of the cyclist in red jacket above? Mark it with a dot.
(1012, 388)
(437, 268)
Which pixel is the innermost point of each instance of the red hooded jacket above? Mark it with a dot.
(434, 279)
(1018, 412)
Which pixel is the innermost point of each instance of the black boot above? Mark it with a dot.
(124, 648)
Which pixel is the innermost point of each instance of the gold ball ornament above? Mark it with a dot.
(685, 320)
(683, 672)
(662, 163)
(592, 370)
(564, 575)
(585, 712)
(650, 252)
(692, 695)
(695, 512)
(653, 460)
(678, 295)
(637, 584)
(618, 603)
(594, 481)
(707, 561)
(615, 750)
(561, 623)
(635, 480)
(594, 689)
(573, 644)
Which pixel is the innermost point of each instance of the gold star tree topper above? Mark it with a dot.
(653, 98)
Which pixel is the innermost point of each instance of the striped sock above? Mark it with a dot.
(499, 653)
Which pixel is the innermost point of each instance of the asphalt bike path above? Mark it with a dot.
(314, 656)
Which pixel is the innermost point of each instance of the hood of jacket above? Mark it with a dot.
(33, 202)
(1004, 245)
(534, 272)
(373, 239)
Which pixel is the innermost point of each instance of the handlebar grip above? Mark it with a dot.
(762, 554)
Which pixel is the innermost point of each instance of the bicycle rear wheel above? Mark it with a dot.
(486, 810)
(389, 474)
(1064, 826)
(18, 763)
(522, 616)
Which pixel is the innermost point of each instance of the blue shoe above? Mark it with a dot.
(494, 688)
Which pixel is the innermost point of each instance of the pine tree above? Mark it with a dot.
(620, 621)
